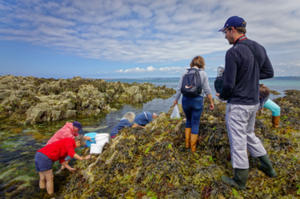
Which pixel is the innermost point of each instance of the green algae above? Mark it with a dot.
(6, 174)
(153, 162)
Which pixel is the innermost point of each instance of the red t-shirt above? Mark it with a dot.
(60, 149)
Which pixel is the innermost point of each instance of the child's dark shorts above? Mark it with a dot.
(42, 162)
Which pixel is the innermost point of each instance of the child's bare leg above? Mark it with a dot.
(49, 181)
(42, 182)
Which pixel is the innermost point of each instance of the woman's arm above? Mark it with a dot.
(211, 101)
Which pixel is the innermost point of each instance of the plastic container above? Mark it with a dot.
(101, 139)
(92, 135)
(96, 149)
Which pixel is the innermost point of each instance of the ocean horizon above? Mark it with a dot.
(280, 84)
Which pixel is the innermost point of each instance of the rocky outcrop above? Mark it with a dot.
(35, 100)
(153, 162)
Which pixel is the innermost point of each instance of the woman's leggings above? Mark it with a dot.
(272, 106)
(192, 107)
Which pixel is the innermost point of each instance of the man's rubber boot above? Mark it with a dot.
(275, 121)
(239, 180)
(266, 166)
(194, 140)
(188, 137)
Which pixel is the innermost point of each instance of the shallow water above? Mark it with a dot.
(18, 144)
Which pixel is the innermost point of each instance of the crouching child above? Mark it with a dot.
(59, 150)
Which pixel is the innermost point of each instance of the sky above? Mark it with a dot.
(138, 38)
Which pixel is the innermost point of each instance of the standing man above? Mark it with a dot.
(246, 63)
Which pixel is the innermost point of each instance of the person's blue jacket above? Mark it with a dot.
(122, 124)
(243, 70)
(143, 118)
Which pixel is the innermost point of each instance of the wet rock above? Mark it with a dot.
(36, 100)
(70, 114)
(35, 114)
(56, 115)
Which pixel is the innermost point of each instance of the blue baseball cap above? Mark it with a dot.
(77, 125)
(234, 21)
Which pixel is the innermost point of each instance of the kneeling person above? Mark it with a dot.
(126, 121)
(59, 150)
(142, 119)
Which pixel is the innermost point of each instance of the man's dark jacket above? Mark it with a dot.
(246, 63)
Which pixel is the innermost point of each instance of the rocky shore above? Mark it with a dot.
(153, 162)
(31, 109)
(30, 100)
(145, 163)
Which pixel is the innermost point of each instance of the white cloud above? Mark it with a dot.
(150, 31)
(151, 69)
(172, 68)
(137, 70)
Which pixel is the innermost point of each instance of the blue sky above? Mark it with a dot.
(138, 38)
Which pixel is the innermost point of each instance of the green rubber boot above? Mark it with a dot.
(266, 166)
(239, 180)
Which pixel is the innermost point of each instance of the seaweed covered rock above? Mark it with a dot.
(153, 163)
(38, 100)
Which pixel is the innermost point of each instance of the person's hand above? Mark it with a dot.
(87, 157)
(87, 138)
(135, 125)
(72, 169)
(212, 106)
(218, 94)
(175, 103)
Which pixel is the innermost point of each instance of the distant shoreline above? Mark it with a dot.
(129, 78)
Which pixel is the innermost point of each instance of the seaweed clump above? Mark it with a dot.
(153, 162)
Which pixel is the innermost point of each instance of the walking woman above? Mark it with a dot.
(192, 102)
